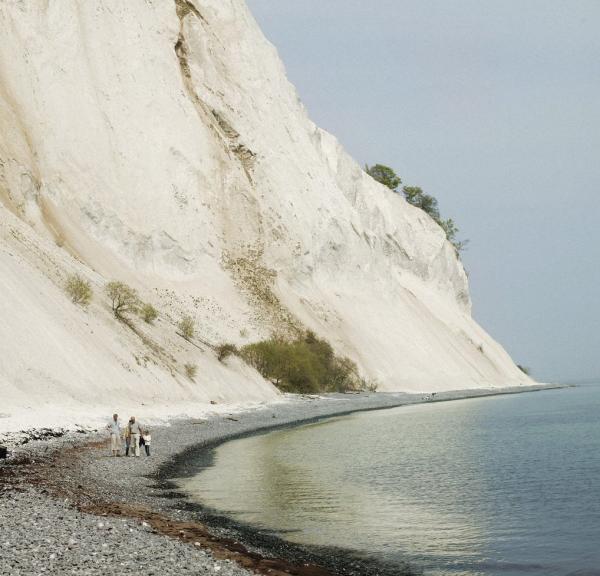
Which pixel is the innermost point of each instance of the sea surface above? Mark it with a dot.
(505, 485)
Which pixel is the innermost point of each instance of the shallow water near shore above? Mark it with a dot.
(507, 485)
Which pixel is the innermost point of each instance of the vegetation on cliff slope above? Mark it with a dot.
(306, 364)
(415, 196)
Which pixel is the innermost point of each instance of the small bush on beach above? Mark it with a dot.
(149, 313)
(307, 364)
(187, 327)
(191, 370)
(79, 290)
(370, 385)
(124, 299)
(524, 369)
(226, 350)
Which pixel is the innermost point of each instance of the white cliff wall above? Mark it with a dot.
(159, 142)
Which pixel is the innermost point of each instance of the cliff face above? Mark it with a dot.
(159, 142)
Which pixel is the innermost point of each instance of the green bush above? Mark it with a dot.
(226, 350)
(79, 290)
(370, 385)
(149, 313)
(187, 327)
(524, 369)
(124, 299)
(190, 370)
(415, 196)
(384, 175)
(307, 364)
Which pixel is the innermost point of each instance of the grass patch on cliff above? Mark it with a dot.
(224, 351)
(306, 364)
(190, 370)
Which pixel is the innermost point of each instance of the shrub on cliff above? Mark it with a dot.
(384, 175)
(124, 299)
(226, 350)
(149, 313)
(190, 370)
(415, 196)
(79, 290)
(187, 326)
(307, 364)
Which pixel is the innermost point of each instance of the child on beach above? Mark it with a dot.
(147, 440)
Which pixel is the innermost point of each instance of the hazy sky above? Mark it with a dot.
(492, 106)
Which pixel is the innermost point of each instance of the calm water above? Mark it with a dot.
(507, 485)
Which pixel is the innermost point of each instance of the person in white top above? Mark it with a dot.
(115, 434)
(147, 441)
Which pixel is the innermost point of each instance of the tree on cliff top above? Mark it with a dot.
(384, 175)
(415, 196)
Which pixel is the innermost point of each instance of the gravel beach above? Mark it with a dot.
(67, 507)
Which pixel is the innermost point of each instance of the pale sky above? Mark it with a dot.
(492, 106)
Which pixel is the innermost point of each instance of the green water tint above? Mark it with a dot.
(506, 485)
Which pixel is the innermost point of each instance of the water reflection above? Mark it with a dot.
(469, 487)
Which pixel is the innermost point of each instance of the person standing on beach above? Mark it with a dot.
(147, 441)
(127, 437)
(135, 431)
(115, 435)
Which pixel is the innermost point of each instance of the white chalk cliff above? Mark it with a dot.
(159, 142)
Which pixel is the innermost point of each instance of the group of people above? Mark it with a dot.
(134, 436)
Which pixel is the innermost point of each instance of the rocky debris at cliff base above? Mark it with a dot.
(49, 537)
(41, 434)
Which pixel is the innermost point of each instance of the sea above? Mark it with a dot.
(500, 486)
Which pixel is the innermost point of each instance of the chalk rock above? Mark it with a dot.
(160, 143)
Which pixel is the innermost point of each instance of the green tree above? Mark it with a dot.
(124, 299)
(415, 196)
(449, 227)
(384, 175)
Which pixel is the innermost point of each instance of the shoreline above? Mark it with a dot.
(336, 561)
(97, 485)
